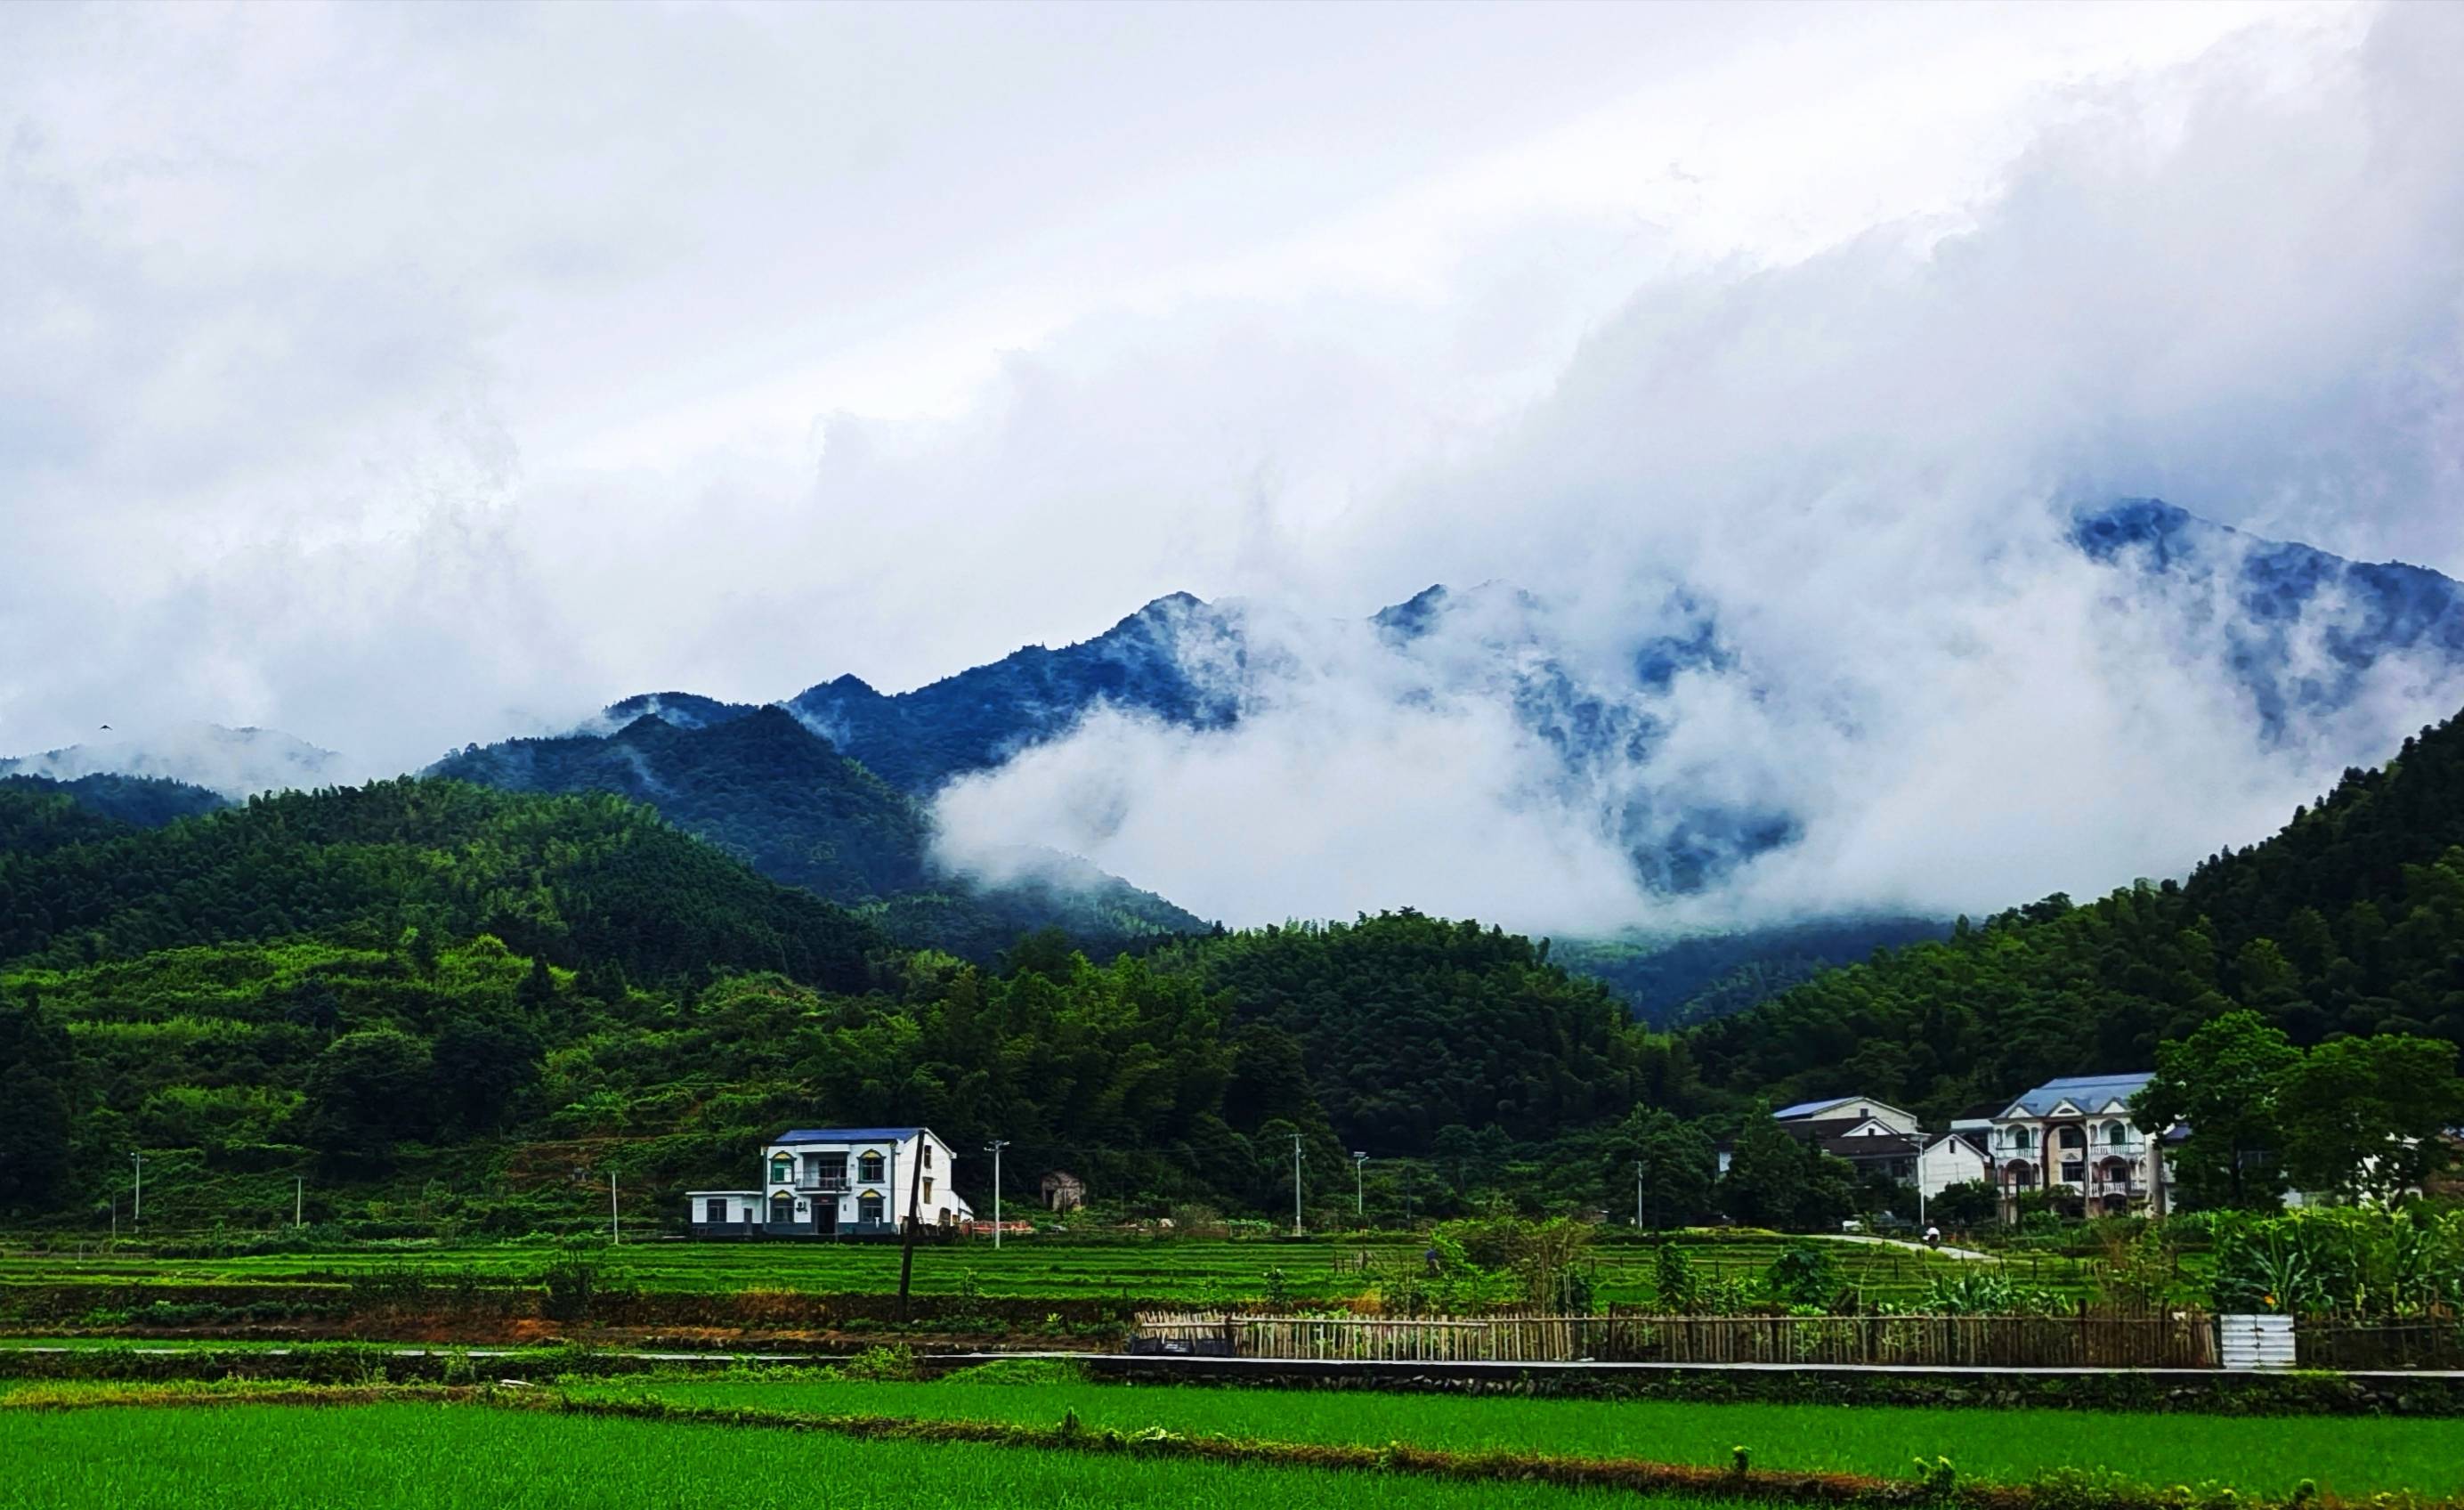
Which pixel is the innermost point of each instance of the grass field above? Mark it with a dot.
(378, 1457)
(1188, 1271)
(2353, 1456)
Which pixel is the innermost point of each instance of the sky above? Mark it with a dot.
(403, 376)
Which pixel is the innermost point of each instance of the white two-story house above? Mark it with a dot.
(2075, 1134)
(834, 1182)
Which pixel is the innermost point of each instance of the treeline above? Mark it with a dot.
(2350, 922)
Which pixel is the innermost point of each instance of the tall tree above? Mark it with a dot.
(1766, 1183)
(2367, 1117)
(1678, 1166)
(2222, 1082)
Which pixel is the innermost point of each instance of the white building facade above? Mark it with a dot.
(837, 1182)
(2076, 1135)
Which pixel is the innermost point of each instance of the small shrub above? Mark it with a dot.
(895, 1364)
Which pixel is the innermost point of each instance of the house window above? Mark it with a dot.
(868, 1207)
(2019, 1138)
(868, 1169)
(928, 1192)
(2115, 1133)
(781, 1168)
(782, 1208)
(713, 1210)
(928, 1156)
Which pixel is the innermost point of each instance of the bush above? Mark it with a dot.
(1804, 1274)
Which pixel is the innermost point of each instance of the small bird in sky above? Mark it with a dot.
(106, 726)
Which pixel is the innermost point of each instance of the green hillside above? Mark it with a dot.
(2351, 920)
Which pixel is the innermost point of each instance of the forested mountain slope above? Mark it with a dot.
(2349, 920)
(569, 877)
(146, 802)
(761, 786)
(423, 985)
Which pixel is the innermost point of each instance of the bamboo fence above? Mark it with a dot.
(2083, 1339)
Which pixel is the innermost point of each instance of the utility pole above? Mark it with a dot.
(907, 1238)
(994, 1148)
(615, 1226)
(298, 1199)
(137, 1207)
(1637, 1195)
(1409, 1172)
(1296, 1185)
(1359, 1188)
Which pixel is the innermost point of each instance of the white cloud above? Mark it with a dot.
(400, 376)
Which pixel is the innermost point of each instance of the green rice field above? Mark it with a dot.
(417, 1456)
(2347, 1455)
(1191, 1271)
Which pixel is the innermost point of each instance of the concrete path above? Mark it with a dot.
(1946, 1250)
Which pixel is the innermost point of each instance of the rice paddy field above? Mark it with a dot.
(379, 1457)
(606, 1443)
(2350, 1456)
(1185, 1271)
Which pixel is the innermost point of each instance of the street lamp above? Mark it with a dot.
(1360, 1198)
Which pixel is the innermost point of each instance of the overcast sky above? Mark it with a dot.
(403, 376)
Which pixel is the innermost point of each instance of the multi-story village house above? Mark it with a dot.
(829, 1182)
(2076, 1135)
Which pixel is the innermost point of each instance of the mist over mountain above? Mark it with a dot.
(233, 762)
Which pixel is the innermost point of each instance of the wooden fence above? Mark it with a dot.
(2331, 1344)
(2185, 1339)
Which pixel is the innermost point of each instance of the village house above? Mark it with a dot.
(1952, 1158)
(837, 1182)
(1874, 1135)
(2076, 1135)
(1879, 1138)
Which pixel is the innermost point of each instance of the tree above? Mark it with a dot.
(1764, 1186)
(365, 1091)
(1970, 1203)
(2365, 1117)
(33, 1107)
(481, 1066)
(2222, 1082)
(1679, 1165)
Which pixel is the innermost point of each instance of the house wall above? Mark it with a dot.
(1948, 1162)
(936, 1204)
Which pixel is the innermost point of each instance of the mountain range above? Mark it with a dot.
(833, 788)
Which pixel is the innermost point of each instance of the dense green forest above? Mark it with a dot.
(423, 983)
(1676, 982)
(145, 802)
(761, 786)
(435, 998)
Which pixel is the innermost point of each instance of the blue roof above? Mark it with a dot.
(1804, 1109)
(2083, 1091)
(847, 1134)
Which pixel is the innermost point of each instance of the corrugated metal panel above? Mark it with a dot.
(2254, 1342)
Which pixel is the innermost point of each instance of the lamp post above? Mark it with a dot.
(137, 1206)
(1359, 1185)
(994, 1148)
(1637, 1195)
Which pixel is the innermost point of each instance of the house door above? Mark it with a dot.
(826, 1216)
